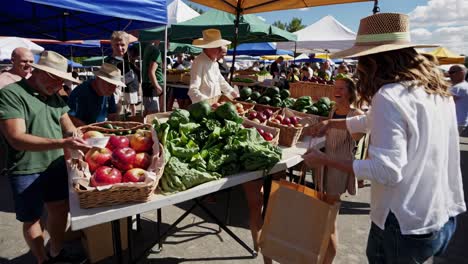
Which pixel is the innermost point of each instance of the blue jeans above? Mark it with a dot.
(390, 246)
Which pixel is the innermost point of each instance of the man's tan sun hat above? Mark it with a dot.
(54, 64)
(211, 39)
(110, 74)
(380, 33)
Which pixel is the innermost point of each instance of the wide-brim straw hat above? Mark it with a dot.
(380, 33)
(211, 39)
(54, 64)
(110, 74)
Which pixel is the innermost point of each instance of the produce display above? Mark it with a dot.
(293, 121)
(321, 108)
(321, 80)
(123, 159)
(272, 96)
(242, 80)
(202, 146)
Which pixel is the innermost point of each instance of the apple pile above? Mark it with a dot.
(124, 159)
(292, 121)
(266, 135)
(260, 116)
(320, 80)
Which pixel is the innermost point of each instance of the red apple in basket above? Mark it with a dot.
(134, 175)
(252, 115)
(105, 175)
(261, 117)
(286, 121)
(141, 141)
(92, 134)
(116, 142)
(142, 160)
(123, 158)
(268, 136)
(293, 120)
(96, 157)
(279, 118)
(268, 113)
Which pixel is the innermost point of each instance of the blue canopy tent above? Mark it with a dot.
(259, 49)
(78, 20)
(86, 48)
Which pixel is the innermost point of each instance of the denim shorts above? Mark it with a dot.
(390, 246)
(31, 191)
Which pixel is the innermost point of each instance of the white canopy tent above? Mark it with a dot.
(325, 34)
(178, 11)
(8, 44)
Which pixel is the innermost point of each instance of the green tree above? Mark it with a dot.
(295, 25)
(279, 24)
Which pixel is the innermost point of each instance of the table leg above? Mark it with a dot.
(225, 228)
(138, 223)
(117, 241)
(158, 230)
(130, 238)
(266, 192)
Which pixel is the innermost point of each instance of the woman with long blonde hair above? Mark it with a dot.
(414, 161)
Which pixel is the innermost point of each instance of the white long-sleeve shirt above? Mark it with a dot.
(414, 158)
(206, 80)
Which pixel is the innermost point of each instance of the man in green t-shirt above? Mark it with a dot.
(37, 129)
(153, 78)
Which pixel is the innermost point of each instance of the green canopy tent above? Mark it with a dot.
(183, 48)
(249, 29)
(93, 61)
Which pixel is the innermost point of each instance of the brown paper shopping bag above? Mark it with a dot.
(298, 224)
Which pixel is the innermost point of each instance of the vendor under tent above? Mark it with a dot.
(8, 44)
(325, 34)
(445, 56)
(259, 49)
(239, 8)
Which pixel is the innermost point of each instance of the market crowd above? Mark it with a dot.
(409, 130)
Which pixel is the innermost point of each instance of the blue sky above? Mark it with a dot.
(347, 14)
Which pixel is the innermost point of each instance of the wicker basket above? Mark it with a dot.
(224, 98)
(120, 193)
(261, 107)
(273, 130)
(185, 78)
(288, 135)
(314, 90)
(127, 127)
(173, 77)
(307, 120)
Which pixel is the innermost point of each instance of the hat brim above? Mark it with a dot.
(359, 51)
(200, 43)
(111, 81)
(55, 72)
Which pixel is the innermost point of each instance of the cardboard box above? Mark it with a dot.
(97, 240)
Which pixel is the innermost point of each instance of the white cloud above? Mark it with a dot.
(262, 18)
(304, 9)
(443, 22)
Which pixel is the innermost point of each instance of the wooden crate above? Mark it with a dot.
(314, 90)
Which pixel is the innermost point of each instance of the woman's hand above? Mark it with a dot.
(314, 157)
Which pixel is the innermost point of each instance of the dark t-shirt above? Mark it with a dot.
(42, 118)
(126, 69)
(86, 105)
(274, 68)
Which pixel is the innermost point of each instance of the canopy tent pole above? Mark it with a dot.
(71, 57)
(376, 8)
(140, 62)
(164, 62)
(236, 37)
(295, 46)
